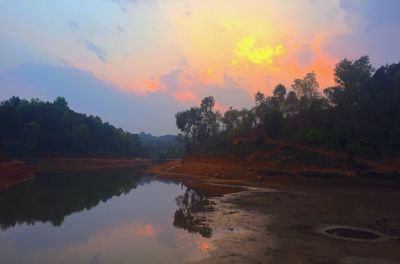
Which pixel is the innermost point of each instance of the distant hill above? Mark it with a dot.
(162, 147)
(36, 128)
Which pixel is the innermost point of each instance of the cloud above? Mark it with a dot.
(189, 88)
(305, 55)
(100, 53)
(186, 97)
(73, 25)
(119, 28)
(125, 5)
(374, 14)
(374, 31)
(246, 48)
(154, 112)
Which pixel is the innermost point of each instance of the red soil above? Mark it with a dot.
(13, 172)
(281, 165)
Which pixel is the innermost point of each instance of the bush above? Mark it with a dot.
(313, 136)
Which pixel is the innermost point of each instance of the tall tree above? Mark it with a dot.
(306, 88)
(350, 77)
(291, 104)
(189, 122)
(231, 119)
(279, 93)
(209, 117)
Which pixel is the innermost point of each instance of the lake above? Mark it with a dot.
(107, 216)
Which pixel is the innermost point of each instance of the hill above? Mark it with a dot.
(162, 147)
(35, 129)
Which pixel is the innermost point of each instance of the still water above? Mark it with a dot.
(108, 216)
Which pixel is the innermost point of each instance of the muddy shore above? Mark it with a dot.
(283, 225)
(272, 217)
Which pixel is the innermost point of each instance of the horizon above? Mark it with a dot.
(136, 63)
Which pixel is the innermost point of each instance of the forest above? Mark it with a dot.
(41, 129)
(360, 115)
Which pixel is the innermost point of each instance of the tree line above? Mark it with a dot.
(359, 114)
(36, 128)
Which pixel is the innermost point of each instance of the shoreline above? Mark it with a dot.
(14, 172)
(298, 207)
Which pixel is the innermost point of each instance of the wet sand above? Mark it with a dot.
(282, 226)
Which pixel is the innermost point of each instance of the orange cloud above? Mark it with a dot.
(186, 97)
(146, 231)
(257, 43)
(151, 85)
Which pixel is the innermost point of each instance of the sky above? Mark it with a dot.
(135, 63)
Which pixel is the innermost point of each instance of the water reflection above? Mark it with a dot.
(108, 216)
(54, 195)
(187, 217)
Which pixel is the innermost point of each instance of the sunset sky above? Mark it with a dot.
(135, 63)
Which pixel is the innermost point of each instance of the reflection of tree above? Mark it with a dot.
(187, 217)
(54, 195)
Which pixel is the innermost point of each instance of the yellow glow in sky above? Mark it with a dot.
(193, 49)
(246, 48)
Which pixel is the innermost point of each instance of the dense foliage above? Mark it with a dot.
(360, 114)
(36, 128)
(162, 147)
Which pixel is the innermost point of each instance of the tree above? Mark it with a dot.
(353, 75)
(260, 101)
(247, 119)
(273, 122)
(199, 124)
(350, 77)
(60, 101)
(360, 113)
(231, 119)
(334, 95)
(291, 104)
(81, 137)
(259, 98)
(279, 93)
(32, 128)
(32, 132)
(207, 104)
(306, 88)
(209, 117)
(189, 122)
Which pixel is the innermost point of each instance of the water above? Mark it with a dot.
(108, 216)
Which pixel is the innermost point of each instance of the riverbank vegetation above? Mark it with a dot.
(359, 116)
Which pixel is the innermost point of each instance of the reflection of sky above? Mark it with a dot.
(133, 227)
